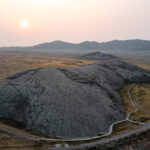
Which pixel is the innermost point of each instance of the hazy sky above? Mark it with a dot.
(72, 20)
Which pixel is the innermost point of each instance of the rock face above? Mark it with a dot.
(99, 56)
(70, 103)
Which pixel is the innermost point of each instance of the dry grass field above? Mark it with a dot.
(12, 142)
(143, 65)
(126, 100)
(123, 127)
(11, 63)
(141, 95)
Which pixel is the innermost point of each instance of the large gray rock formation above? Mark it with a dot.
(72, 103)
(99, 56)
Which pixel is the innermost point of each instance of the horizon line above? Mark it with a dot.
(71, 42)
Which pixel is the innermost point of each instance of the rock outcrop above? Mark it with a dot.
(78, 102)
(99, 56)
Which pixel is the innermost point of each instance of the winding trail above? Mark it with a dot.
(132, 112)
(110, 130)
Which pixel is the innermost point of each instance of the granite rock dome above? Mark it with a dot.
(69, 103)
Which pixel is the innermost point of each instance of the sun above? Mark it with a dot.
(25, 23)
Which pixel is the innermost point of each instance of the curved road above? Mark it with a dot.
(110, 130)
(145, 126)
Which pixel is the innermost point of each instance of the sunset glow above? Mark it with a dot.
(72, 20)
(25, 24)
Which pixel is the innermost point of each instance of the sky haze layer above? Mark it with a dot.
(72, 20)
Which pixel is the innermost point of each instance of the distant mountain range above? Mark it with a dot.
(87, 45)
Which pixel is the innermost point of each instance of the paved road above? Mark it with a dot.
(107, 140)
(145, 127)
